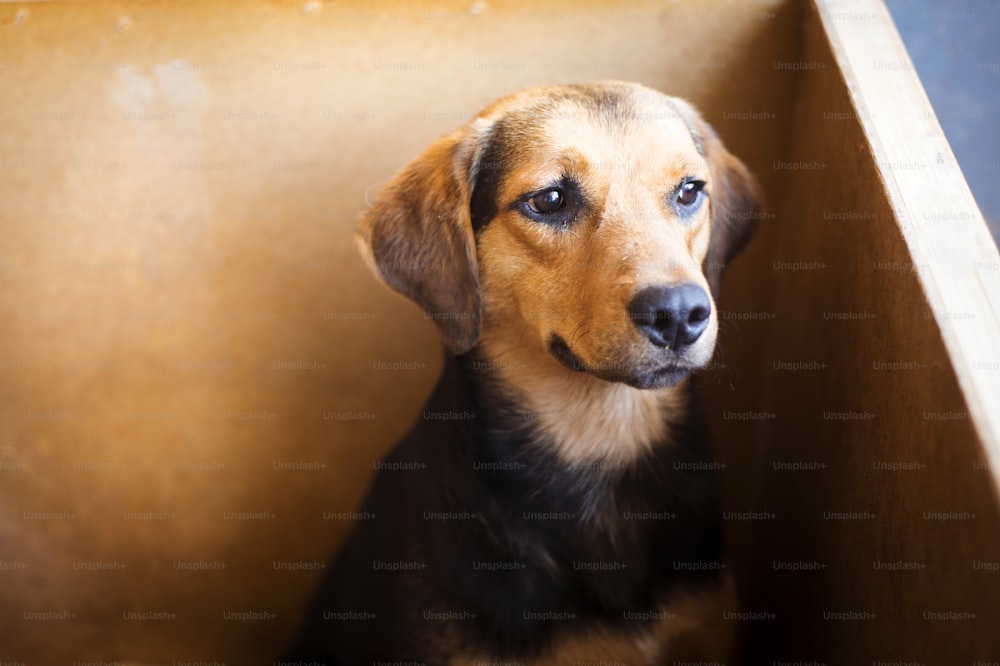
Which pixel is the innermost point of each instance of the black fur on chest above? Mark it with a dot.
(480, 526)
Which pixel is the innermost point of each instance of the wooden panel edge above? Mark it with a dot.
(951, 248)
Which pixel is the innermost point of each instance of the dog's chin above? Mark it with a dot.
(664, 376)
(659, 378)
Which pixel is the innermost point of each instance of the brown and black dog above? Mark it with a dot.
(559, 504)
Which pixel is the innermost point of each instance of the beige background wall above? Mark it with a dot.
(183, 316)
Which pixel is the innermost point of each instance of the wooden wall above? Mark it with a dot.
(864, 516)
(196, 371)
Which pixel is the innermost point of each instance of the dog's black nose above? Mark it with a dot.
(671, 317)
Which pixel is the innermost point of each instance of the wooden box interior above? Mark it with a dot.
(197, 371)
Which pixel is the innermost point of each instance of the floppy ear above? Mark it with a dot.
(418, 237)
(736, 198)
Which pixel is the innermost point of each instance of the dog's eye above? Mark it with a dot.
(688, 194)
(547, 202)
(558, 205)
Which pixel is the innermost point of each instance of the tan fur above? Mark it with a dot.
(417, 237)
(590, 421)
(537, 281)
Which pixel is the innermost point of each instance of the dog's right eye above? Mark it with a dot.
(557, 205)
(547, 202)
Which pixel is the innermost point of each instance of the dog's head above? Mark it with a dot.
(590, 221)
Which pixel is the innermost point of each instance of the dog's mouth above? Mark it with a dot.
(666, 375)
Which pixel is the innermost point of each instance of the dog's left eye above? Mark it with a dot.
(547, 202)
(689, 193)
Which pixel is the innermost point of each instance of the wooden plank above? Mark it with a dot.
(862, 505)
(950, 245)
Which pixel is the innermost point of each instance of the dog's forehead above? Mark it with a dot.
(599, 135)
(623, 123)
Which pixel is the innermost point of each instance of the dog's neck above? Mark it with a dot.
(588, 421)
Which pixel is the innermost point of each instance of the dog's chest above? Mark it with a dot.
(572, 562)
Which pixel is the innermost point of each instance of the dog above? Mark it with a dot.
(555, 504)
